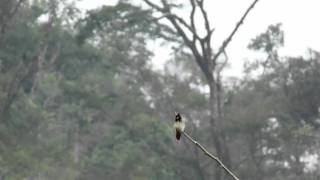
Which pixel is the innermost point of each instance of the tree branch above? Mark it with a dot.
(223, 65)
(219, 162)
(184, 23)
(206, 41)
(205, 16)
(154, 6)
(181, 26)
(192, 20)
(227, 41)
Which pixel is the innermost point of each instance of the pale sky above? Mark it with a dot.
(300, 19)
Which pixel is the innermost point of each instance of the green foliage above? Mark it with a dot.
(268, 41)
(121, 18)
(133, 142)
(83, 116)
(97, 110)
(277, 113)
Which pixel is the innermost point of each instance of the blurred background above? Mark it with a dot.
(88, 90)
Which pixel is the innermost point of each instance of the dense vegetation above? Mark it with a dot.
(79, 99)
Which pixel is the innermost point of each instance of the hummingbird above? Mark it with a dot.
(178, 125)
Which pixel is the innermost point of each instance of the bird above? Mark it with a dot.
(179, 125)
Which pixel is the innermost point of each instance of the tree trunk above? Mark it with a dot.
(218, 135)
(76, 151)
(200, 47)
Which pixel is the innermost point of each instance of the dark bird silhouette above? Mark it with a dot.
(178, 125)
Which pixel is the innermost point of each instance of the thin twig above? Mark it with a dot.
(211, 156)
(223, 65)
(227, 41)
(160, 9)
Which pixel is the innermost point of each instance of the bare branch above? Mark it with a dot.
(156, 19)
(206, 41)
(184, 23)
(219, 162)
(154, 6)
(166, 13)
(224, 63)
(172, 18)
(192, 20)
(178, 24)
(227, 41)
(205, 16)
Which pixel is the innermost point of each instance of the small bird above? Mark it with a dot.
(178, 125)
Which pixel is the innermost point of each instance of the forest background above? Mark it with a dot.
(80, 97)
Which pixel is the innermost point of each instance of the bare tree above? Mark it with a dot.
(201, 49)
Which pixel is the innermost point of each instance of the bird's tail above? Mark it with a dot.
(178, 134)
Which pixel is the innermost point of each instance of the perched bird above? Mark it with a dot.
(178, 125)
